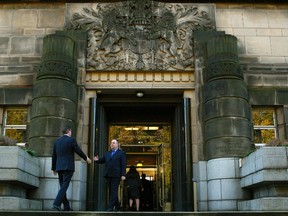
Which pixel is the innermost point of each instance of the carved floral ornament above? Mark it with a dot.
(140, 34)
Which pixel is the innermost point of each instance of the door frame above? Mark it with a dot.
(181, 148)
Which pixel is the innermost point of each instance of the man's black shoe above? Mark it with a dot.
(56, 208)
(68, 209)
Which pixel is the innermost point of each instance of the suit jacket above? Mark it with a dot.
(64, 150)
(116, 165)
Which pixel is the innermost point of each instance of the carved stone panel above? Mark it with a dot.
(140, 34)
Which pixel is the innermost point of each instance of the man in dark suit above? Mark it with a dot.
(115, 163)
(63, 163)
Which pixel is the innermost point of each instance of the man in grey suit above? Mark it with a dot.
(115, 163)
(63, 163)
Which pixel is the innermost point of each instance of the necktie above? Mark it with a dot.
(113, 152)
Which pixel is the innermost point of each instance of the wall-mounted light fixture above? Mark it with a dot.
(140, 94)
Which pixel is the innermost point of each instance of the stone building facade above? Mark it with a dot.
(232, 57)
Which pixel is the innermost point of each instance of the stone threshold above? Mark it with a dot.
(93, 213)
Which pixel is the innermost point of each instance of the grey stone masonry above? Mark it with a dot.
(22, 29)
(17, 165)
(19, 175)
(264, 173)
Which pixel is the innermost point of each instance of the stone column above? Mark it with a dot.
(227, 133)
(54, 95)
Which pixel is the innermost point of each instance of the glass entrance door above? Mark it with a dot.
(148, 148)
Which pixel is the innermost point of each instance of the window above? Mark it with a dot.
(15, 123)
(265, 125)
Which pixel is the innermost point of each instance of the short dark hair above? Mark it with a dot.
(66, 129)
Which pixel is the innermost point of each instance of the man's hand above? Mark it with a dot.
(123, 178)
(54, 172)
(88, 160)
(96, 158)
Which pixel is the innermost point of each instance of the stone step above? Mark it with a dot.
(90, 213)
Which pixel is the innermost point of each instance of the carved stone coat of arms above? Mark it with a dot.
(140, 34)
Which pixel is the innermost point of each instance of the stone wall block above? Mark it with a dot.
(266, 165)
(5, 18)
(226, 107)
(282, 97)
(253, 79)
(231, 190)
(229, 18)
(58, 107)
(23, 45)
(223, 205)
(39, 46)
(202, 191)
(254, 46)
(30, 17)
(42, 125)
(4, 45)
(214, 190)
(55, 88)
(262, 97)
(255, 19)
(223, 168)
(234, 146)
(16, 203)
(225, 88)
(271, 158)
(48, 189)
(230, 127)
(279, 46)
(278, 20)
(32, 31)
(264, 204)
(51, 18)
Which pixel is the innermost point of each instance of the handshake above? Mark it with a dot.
(88, 160)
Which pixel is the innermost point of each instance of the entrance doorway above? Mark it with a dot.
(171, 169)
(148, 148)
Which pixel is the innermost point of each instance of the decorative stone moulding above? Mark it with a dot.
(140, 35)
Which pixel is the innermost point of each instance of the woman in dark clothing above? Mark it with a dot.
(133, 184)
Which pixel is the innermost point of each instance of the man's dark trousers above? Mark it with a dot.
(113, 184)
(65, 177)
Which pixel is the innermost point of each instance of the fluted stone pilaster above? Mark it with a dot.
(227, 116)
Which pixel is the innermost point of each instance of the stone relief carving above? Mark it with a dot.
(56, 68)
(140, 34)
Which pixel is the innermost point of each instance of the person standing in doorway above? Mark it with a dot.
(115, 164)
(63, 163)
(134, 185)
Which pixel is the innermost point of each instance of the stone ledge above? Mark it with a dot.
(14, 203)
(265, 158)
(264, 204)
(17, 165)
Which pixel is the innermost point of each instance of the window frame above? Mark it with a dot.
(5, 126)
(265, 127)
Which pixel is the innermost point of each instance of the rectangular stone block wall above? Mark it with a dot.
(19, 176)
(49, 186)
(22, 28)
(262, 30)
(264, 174)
